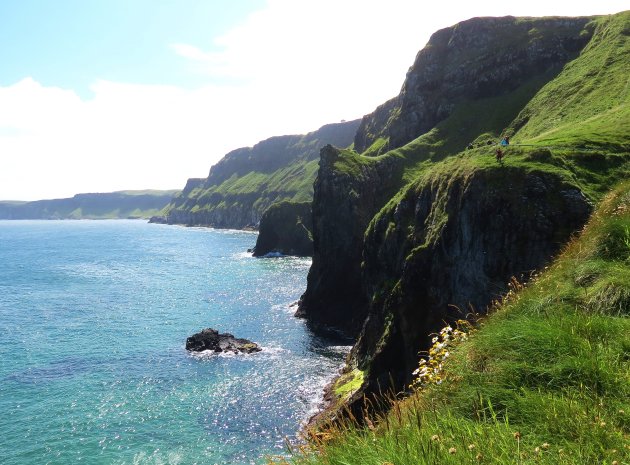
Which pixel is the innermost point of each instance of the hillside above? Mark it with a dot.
(246, 181)
(408, 237)
(543, 379)
(113, 205)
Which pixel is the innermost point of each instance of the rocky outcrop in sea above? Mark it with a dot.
(211, 339)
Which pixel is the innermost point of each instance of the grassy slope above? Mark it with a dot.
(258, 186)
(587, 104)
(580, 116)
(552, 363)
(293, 182)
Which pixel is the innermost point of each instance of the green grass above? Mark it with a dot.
(551, 363)
(588, 103)
(348, 383)
(251, 179)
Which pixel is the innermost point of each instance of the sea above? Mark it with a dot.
(94, 317)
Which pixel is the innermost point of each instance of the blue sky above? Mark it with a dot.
(72, 43)
(104, 95)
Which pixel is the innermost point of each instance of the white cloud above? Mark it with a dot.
(292, 67)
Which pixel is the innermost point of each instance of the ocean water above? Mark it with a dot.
(94, 316)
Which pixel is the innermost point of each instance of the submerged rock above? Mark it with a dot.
(211, 339)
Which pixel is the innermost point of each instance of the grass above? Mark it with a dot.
(588, 103)
(256, 190)
(348, 383)
(544, 379)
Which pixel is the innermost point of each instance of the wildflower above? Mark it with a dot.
(537, 450)
(614, 462)
(479, 457)
(435, 437)
(545, 446)
(602, 424)
(471, 446)
(452, 450)
(517, 435)
(430, 370)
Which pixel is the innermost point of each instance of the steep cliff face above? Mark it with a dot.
(244, 183)
(285, 228)
(475, 59)
(349, 190)
(447, 247)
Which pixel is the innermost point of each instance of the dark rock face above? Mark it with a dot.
(285, 228)
(345, 202)
(211, 339)
(449, 246)
(475, 59)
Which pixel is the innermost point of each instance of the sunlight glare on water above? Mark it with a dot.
(94, 316)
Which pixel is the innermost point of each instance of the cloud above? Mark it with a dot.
(127, 136)
(286, 69)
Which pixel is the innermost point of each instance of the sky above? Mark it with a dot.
(106, 95)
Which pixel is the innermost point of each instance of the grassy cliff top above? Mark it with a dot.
(574, 122)
(582, 109)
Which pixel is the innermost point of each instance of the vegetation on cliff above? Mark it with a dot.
(285, 228)
(244, 183)
(544, 379)
(113, 205)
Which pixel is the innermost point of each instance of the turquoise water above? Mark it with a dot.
(93, 320)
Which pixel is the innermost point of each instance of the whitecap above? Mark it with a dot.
(273, 255)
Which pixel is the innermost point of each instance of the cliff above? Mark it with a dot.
(348, 192)
(246, 181)
(112, 205)
(285, 228)
(476, 59)
(447, 247)
(542, 379)
(426, 226)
